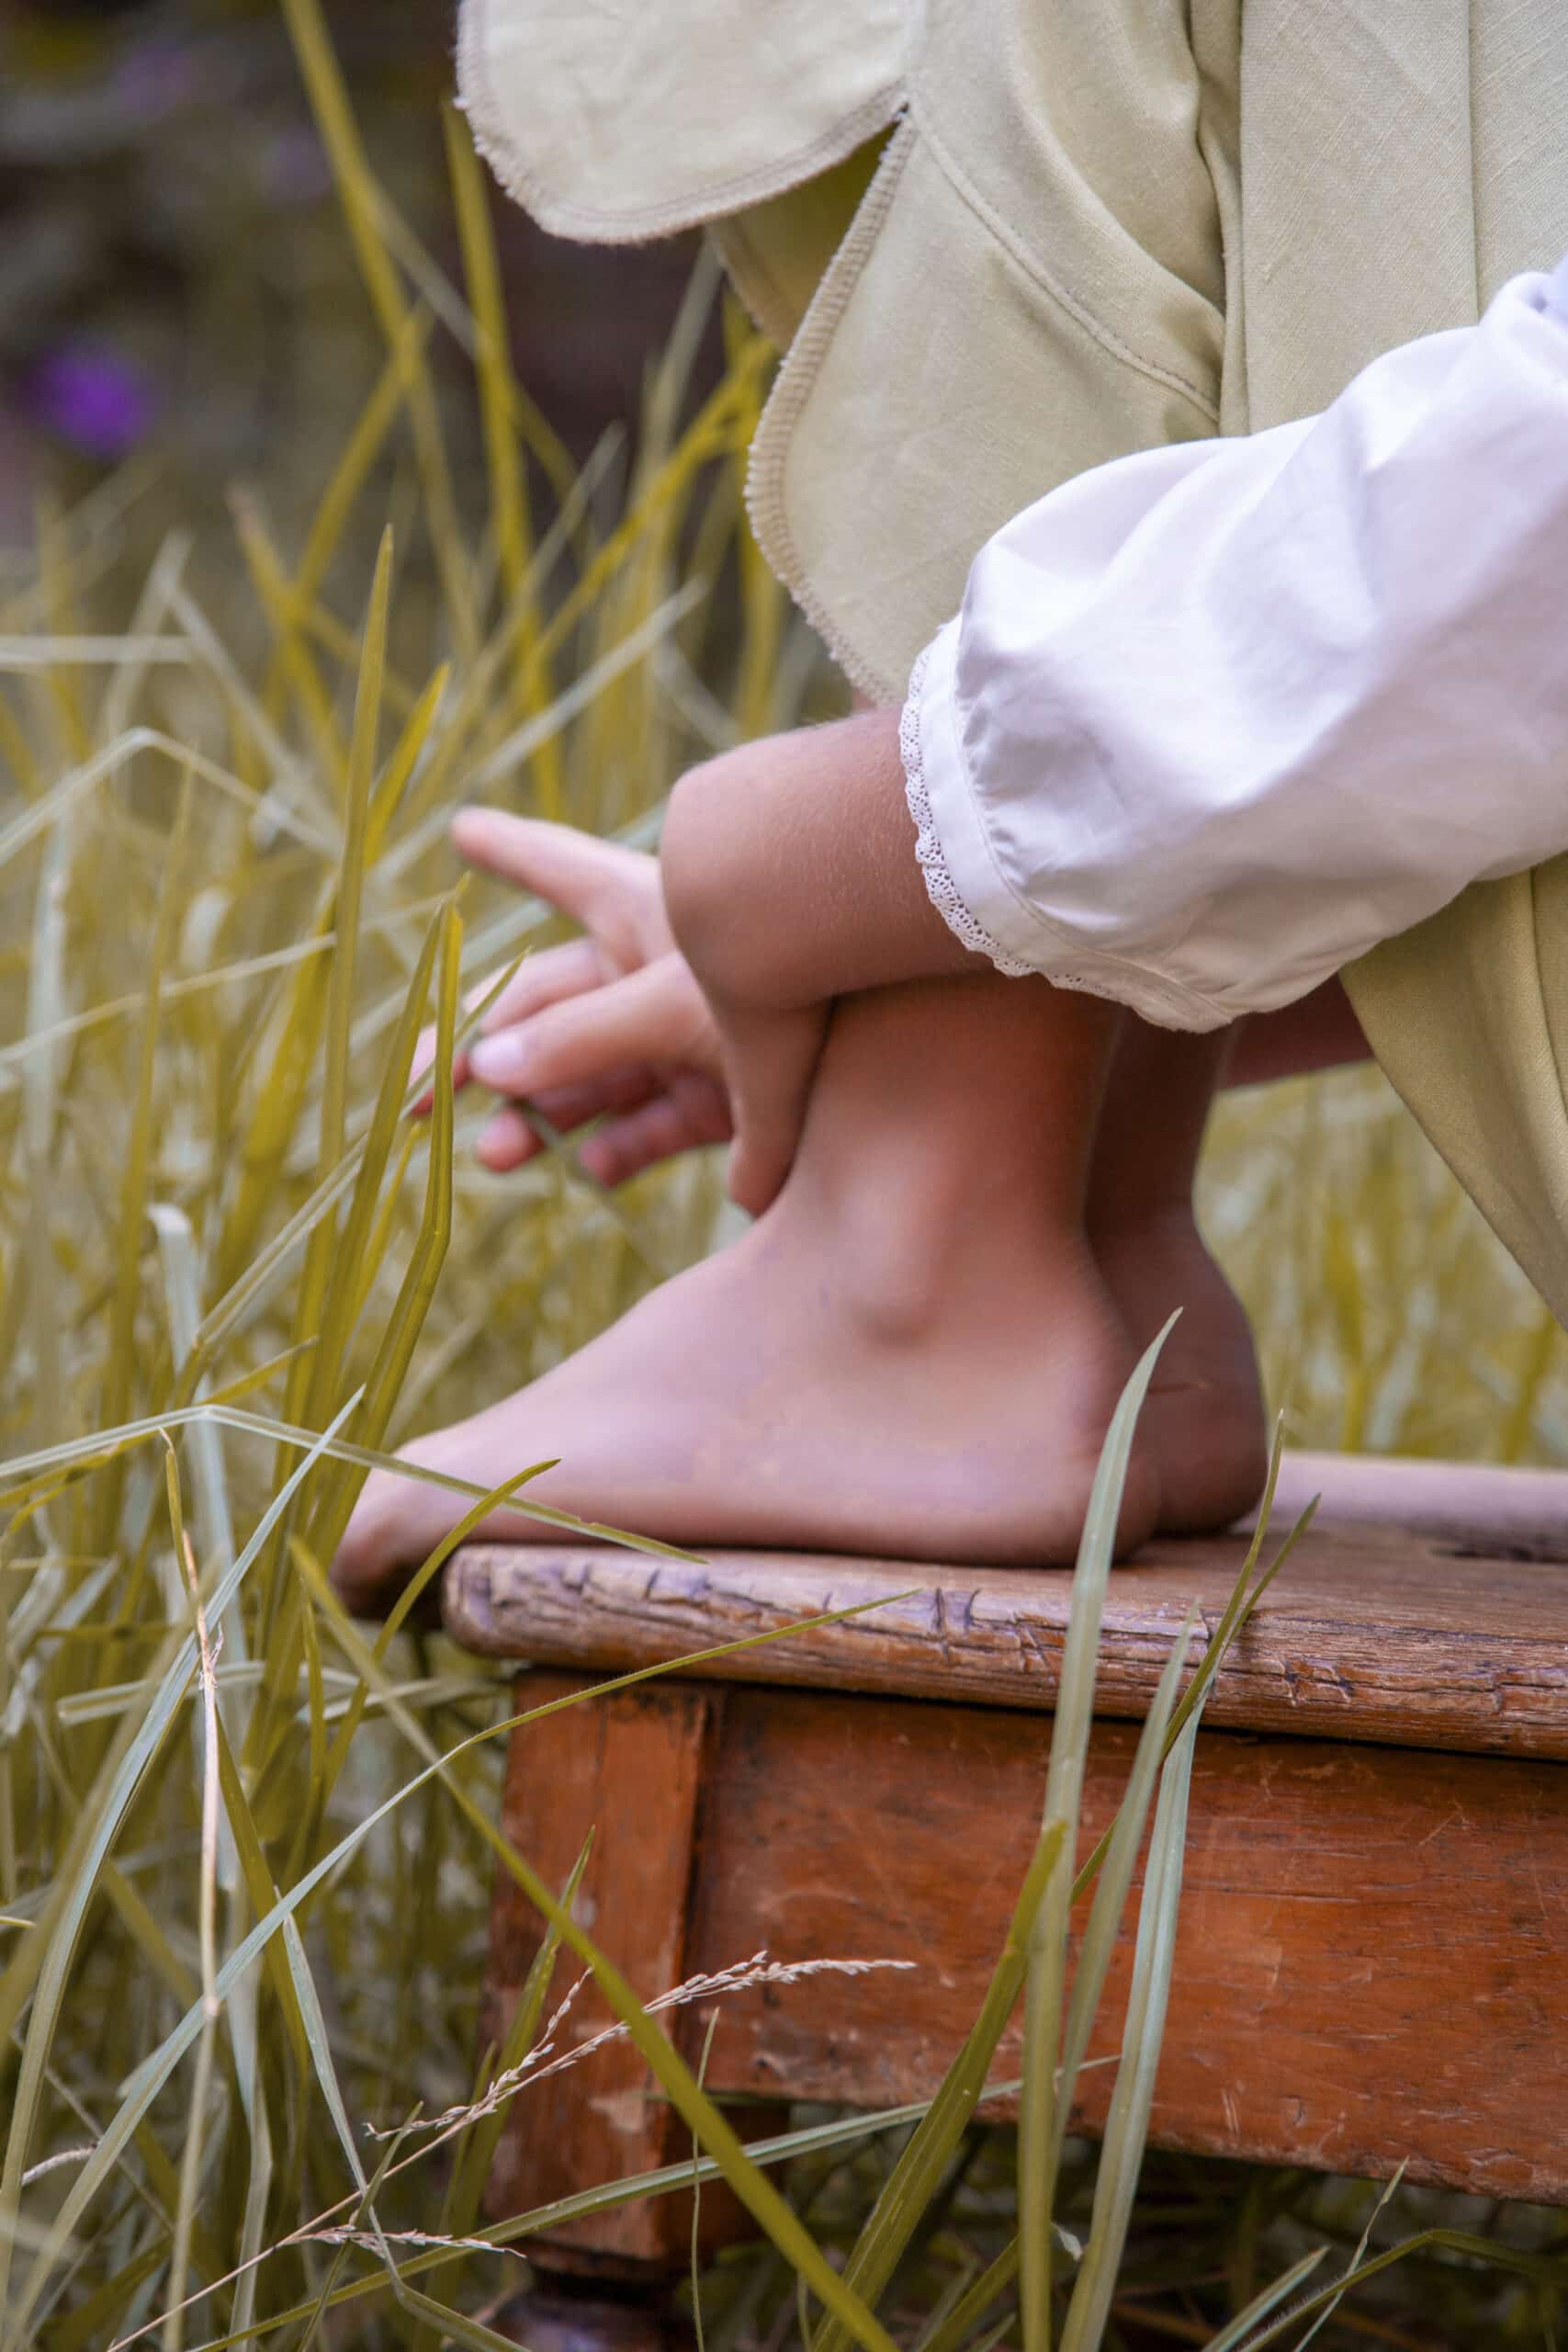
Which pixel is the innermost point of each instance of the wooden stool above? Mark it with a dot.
(1372, 1958)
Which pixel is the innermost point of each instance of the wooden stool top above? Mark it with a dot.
(1411, 1637)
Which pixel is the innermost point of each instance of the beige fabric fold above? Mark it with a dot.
(1401, 164)
(877, 409)
(776, 253)
(1100, 225)
(1025, 292)
(616, 120)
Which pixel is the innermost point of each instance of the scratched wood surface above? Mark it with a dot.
(631, 1769)
(1369, 1960)
(1370, 1632)
(1368, 1963)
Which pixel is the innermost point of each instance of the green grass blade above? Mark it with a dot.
(498, 406)
(1110, 1895)
(407, 1600)
(1267, 2300)
(914, 2178)
(1126, 2129)
(1326, 2313)
(697, 2111)
(403, 759)
(960, 2323)
(348, 477)
(357, 192)
(471, 2166)
(201, 2087)
(1546, 2270)
(1045, 1987)
(364, 2209)
(311, 1385)
(28, 1470)
(1232, 1623)
(453, 2326)
(781, 2148)
(338, 1311)
(292, 655)
(390, 1367)
(131, 1237)
(42, 1967)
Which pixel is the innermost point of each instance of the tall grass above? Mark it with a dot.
(245, 1848)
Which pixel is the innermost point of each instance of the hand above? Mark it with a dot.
(769, 1060)
(611, 1026)
(790, 878)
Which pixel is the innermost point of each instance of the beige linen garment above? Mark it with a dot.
(1092, 226)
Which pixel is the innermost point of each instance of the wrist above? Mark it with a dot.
(790, 874)
(705, 870)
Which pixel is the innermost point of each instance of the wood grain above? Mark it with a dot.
(1374, 1634)
(1367, 1967)
(631, 1769)
(1368, 1963)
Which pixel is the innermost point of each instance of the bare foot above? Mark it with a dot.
(1203, 1422)
(802, 1396)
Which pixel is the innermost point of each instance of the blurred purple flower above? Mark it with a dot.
(294, 167)
(91, 396)
(154, 77)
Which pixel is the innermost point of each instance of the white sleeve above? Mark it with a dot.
(1216, 719)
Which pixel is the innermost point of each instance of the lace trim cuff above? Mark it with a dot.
(1155, 996)
(940, 887)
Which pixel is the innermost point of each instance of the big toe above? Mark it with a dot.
(381, 1545)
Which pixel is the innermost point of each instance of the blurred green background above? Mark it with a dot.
(181, 315)
(174, 280)
(187, 354)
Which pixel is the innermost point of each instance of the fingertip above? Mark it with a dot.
(476, 834)
(745, 1183)
(425, 1101)
(506, 1142)
(502, 1062)
(472, 819)
(602, 1161)
(478, 829)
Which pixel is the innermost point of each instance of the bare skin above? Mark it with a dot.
(1203, 1422)
(914, 1351)
(917, 1347)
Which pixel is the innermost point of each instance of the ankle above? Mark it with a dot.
(906, 1254)
(1158, 1222)
(945, 1149)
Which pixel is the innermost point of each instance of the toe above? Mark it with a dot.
(373, 1561)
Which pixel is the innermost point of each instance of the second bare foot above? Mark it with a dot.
(1203, 1422)
(781, 1395)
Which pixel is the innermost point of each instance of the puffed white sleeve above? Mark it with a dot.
(1216, 719)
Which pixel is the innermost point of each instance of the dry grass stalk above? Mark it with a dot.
(227, 913)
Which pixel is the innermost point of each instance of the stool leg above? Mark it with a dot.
(592, 2310)
(629, 1768)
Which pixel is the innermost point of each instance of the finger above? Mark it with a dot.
(425, 1047)
(543, 979)
(423, 1060)
(574, 871)
(671, 1124)
(566, 1107)
(512, 1137)
(514, 1134)
(505, 1141)
(774, 1059)
(648, 1122)
(644, 1018)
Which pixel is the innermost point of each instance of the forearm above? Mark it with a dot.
(1220, 717)
(790, 873)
